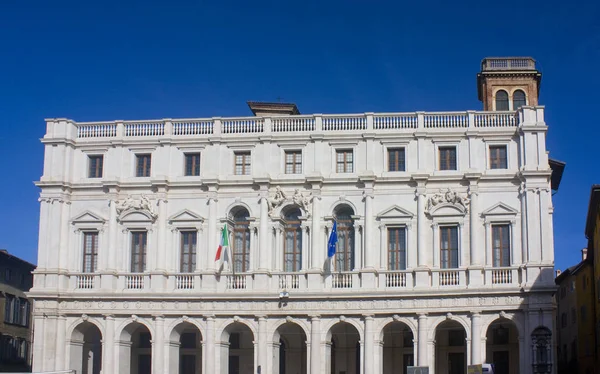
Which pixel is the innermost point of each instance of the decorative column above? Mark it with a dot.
(158, 344)
(263, 236)
(474, 225)
(383, 247)
(422, 343)
(108, 343)
(61, 363)
(305, 246)
(475, 338)
(315, 344)
(358, 246)
(316, 247)
(212, 233)
(278, 247)
(369, 249)
(112, 235)
(262, 343)
(436, 250)
(162, 252)
(421, 219)
(369, 355)
(209, 346)
(63, 263)
(488, 244)
(38, 342)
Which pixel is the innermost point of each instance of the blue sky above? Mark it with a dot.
(102, 60)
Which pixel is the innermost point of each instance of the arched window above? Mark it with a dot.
(501, 100)
(519, 99)
(241, 240)
(344, 255)
(292, 241)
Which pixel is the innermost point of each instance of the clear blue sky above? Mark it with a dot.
(103, 60)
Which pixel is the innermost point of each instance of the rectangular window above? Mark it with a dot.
(95, 165)
(293, 162)
(242, 163)
(192, 164)
(447, 158)
(344, 160)
(90, 252)
(24, 313)
(498, 157)
(8, 308)
(143, 165)
(396, 248)
(396, 159)
(138, 251)
(501, 245)
(188, 251)
(449, 247)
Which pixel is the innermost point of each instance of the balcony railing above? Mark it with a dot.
(508, 63)
(298, 281)
(206, 127)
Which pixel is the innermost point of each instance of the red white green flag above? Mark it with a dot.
(223, 250)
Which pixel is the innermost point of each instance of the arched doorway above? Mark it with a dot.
(135, 349)
(86, 349)
(290, 352)
(237, 349)
(398, 348)
(344, 349)
(502, 347)
(450, 348)
(185, 349)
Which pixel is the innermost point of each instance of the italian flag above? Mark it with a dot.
(223, 250)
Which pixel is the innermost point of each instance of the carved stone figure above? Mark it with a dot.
(129, 203)
(449, 196)
(278, 199)
(297, 198)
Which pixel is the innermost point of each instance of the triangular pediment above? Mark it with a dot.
(395, 212)
(499, 209)
(88, 217)
(186, 215)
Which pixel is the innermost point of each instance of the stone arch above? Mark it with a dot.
(235, 206)
(80, 320)
(339, 203)
(184, 355)
(488, 319)
(386, 321)
(290, 351)
(352, 321)
(502, 344)
(124, 327)
(439, 320)
(344, 346)
(179, 321)
(85, 348)
(396, 346)
(451, 346)
(244, 321)
(278, 211)
(236, 346)
(280, 322)
(134, 347)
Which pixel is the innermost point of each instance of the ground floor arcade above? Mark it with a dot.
(516, 342)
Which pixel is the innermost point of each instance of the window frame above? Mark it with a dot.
(346, 243)
(397, 159)
(297, 163)
(512, 98)
(94, 251)
(146, 166)
(345, 151)
(294, 227)
(142, 267)
(244, 228)
(194, 169)
(491, 164)
(402, 252)
(504, 251)
(246, 156)
(447, 147)
(449, 265)
(98, 170)
(192, 254)
(508, 101)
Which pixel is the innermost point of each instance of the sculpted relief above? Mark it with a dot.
(298, 198)
(447, 197)
(130, 204)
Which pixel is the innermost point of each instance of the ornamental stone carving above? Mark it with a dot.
(298, 198)
(130, 204)
(447, 197)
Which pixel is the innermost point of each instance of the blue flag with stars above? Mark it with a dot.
(331, 244)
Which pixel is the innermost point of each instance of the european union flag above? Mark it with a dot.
(332, 240)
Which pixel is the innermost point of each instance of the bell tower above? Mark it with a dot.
(507, 83)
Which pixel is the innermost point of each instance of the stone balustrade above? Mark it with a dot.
(316, 123)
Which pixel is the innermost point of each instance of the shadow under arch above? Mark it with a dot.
(85, 348)
(237, 348)
(289, 349)
(184, 354)
(135, 347)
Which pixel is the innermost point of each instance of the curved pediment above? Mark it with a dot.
(500, 209)
(186, 216)
(88, 217)
(395, 212)
(136, 216)
(447, 210)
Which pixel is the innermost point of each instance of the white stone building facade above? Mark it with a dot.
(444, 257)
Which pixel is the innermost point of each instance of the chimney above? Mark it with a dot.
(584, 254)
(558, 272)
